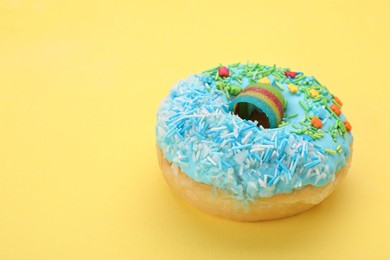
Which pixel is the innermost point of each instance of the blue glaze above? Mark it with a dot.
(197, 133)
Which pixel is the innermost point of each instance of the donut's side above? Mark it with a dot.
(220, 203)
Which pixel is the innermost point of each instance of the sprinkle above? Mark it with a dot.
(261, 147)
(263, 183)
(227, 93)
(335, 109)
(316, 122)
(223, 72)
(303, 105)
(283, 124)
(290, 74)
(292, 115)
(227, 165)
(293, 88)
(238, 147)
(215, 129)
(283, 146)
(278, 85)
(264, 80)
(185, 128)
(330, 151)
(204, 128)
(245, 139)
(212, 69)
(300, 77)
(313, 93)
(211, 160)
(294, 166)
(178, 134)
(282, 166)
(200, 136)
(208, 109)
(312, 164)
(268, 155)
(256, 156)
(348, 126)
(246, 128)
(338, 101)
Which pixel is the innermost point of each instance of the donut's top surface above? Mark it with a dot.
(197, 130)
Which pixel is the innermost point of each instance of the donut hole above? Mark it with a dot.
(250, 112)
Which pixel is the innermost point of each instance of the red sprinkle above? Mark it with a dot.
(348, 126)
(338, 101)
(335, 109)
(290, 74)
(316, 122)
(223, 71)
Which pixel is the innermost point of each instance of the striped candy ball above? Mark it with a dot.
(262, 97)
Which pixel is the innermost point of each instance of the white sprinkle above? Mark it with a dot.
(241, 170)
(245, 139)
(252, 184)
(261, 147)
(227, 135)
(240, 157)
(215, 129)
(212, 161)
(263, 183)
(308, 175)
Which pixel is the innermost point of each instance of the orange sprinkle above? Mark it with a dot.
(348, 126)
(338, 101)
(316, 122)
(335, 109)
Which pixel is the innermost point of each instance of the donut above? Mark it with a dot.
(252, 142)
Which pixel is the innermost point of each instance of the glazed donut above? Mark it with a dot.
(252, 142)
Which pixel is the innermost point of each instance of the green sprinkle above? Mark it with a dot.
(292, 115)
(277, 85)
(227, 93)
(283, 124)
(316, 81)
(330, 151)
(216, 76)
(342, 126)
(297, 132)
(299, 77)
(319, 98)
(212, 69)
(303, 105)
(219, 85)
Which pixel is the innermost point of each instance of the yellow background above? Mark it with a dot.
(80, 83)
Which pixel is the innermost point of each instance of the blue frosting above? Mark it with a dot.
(198, 134)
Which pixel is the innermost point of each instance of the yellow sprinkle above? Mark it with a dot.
(313, 93)
(265, 80)
(293, 88)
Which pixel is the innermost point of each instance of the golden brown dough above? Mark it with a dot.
(220, 203)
